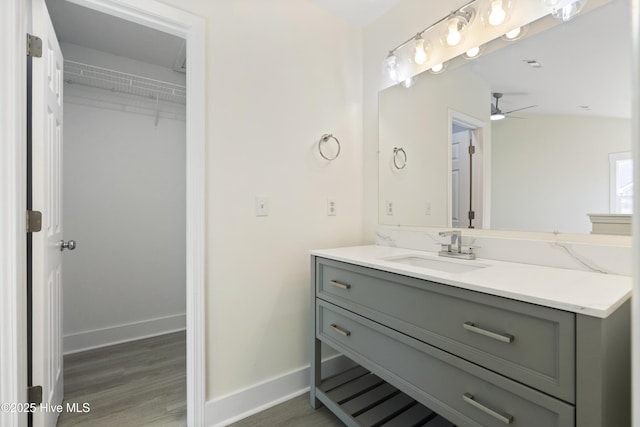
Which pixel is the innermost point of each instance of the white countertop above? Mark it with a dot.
(592, 294)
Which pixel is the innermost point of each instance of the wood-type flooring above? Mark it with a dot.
(143, 383)
(139, 383)
(296, 412)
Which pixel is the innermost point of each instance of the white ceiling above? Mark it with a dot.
(96, 30)
(86, 27)
(584, 62)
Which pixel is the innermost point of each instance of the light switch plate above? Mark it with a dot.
(262, 205)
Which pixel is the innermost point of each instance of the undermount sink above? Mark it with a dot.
(436, 264)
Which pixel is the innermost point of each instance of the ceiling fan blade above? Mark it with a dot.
(519, 109)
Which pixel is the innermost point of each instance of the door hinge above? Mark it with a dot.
(34, 394)
(34, 221)
(472, 149)
(34, 46)
(472, 215)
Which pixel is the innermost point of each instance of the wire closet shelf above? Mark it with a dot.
(104, 78)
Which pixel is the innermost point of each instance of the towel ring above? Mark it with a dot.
(397, 155)
(324, 138)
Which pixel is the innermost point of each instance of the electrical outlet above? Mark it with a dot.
(427, 208)
(331, 206)
(262, 205)
(389, 208)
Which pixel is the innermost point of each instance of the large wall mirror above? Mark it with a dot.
(547, 165)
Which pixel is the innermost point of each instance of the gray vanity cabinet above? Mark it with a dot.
(473, 358)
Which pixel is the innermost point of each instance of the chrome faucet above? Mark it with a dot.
(454, 249)
(456, 237)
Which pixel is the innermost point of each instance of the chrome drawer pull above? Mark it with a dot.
(340, 330)
(500, 337)
(339, 285)
(505, 418)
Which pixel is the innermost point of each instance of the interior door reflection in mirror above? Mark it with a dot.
(545, 166)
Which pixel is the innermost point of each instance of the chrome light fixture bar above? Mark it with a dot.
(421, 46)
(499, 18)
(461, 9)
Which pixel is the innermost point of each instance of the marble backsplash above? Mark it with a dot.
(608, 255)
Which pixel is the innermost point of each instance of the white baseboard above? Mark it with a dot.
(233, 407)
(103, 337)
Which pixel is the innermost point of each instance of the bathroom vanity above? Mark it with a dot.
(480, 343)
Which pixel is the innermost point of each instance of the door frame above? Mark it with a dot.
(13, 190)
(482, 132)
(14, 17)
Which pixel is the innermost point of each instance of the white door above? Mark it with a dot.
(47, 84)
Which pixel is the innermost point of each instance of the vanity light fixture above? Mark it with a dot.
(457, 22)
(497, 12)
(565, 10)
(408, 82)
(514, 34)
(473, 53)
(392, 68)
(453, 36)
(437, 69)
(420, 49)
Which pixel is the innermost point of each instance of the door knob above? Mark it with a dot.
(71, 245)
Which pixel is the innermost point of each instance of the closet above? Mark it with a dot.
(124, 181)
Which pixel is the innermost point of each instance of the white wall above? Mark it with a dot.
(280, 73)
(124, 204)
(548, 172)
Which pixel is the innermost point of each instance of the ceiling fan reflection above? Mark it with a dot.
(497, 114)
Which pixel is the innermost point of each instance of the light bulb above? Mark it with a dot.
(392, 67)
(407, 83)
(513, 34)
(498, 14)
(568, 11)
(453, 33)
(497, 116)
(437, 68)
(473, 52)
(420, 55)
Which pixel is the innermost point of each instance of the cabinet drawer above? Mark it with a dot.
(460, 391)
(529, 343)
